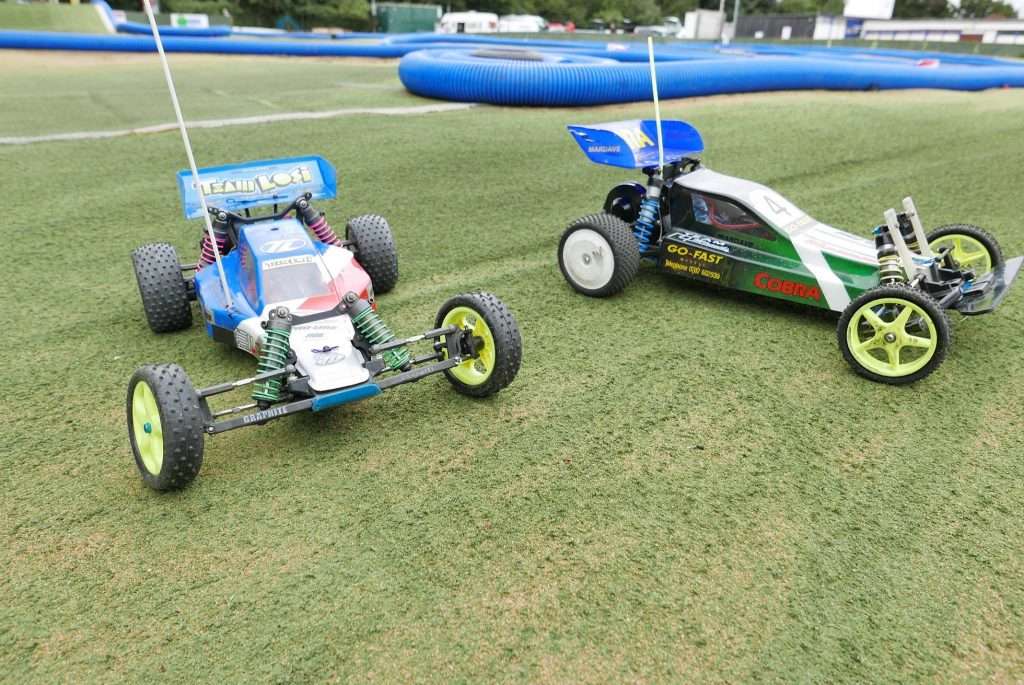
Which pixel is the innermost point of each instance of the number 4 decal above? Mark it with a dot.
(775, 206)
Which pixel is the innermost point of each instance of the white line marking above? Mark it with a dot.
(239, 121)
(359, 84)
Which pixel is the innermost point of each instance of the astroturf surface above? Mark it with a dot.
(682, 485)
(50, 17)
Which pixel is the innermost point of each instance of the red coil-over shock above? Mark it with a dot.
(220, 232)
(317, 223)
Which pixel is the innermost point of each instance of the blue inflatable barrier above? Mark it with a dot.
(47, 40)
(510, 71)
(144, 30)
(462, 76)
(291, 35)
(195, 32)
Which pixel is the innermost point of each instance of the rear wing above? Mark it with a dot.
(254, 184)
(634, 144)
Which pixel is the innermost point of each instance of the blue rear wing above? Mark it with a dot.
(634, 144)
(255, 184)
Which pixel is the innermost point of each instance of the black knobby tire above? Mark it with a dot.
(374, 246)
(162, 287)
(625, 253)
(182, 423)
(980, 234)
(508, 344)
(907, 293)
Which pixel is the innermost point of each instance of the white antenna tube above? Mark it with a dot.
(657, 106)
(188, 150)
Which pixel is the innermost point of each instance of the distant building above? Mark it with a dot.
(826, 27)
(784, 26)
(404, 17)
(1004, 31)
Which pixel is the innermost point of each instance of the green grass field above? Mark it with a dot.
(46, 17)
(682, 485)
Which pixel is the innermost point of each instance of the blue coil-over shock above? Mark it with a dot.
(650, 214)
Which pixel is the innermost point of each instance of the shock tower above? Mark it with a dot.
(905, 257)
(890, 265)
(225, 228)
(317, 223)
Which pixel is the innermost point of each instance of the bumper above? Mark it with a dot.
(987, 293)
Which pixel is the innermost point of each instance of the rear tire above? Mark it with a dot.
(968, 242)
(165, 426)
(162, 287)
(598, 255)
(501, 347)
(374, 245)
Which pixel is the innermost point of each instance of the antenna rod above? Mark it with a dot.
(657, 106)
(188, 150)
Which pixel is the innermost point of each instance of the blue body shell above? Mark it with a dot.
(250, 273)
(633, 144)
(285, 242)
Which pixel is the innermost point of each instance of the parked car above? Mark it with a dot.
(671, 27)
(558, 27)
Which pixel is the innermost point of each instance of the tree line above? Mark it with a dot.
(355, 14)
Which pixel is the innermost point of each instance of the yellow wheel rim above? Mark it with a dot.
(892, 337)
(473, 371)
(146, 428)
(969, 253)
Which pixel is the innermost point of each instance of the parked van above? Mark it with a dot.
(468, 22)
(521, 23)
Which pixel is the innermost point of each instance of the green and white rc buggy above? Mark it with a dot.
(893, 292)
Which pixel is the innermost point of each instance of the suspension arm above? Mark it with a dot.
(225, 387)
(418, 373)
(260, 417)
(434, 333)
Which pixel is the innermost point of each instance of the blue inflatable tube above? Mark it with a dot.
(144, 30)
(46, 40)
(509, 71)
(273, 35)
(465, 76)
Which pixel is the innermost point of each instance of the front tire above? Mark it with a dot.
(374, 245)
(165, 426)
(894, 334)
(162, 287)
(499, 345)
(973, 247)
(598, 255)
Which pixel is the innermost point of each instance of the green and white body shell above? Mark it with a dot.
(743, 235)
